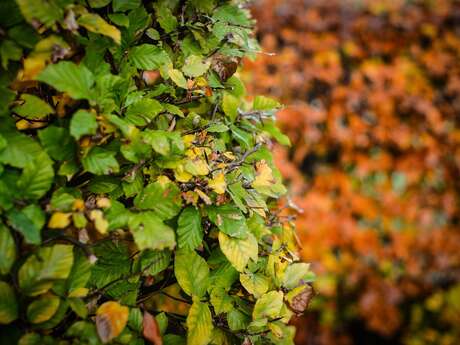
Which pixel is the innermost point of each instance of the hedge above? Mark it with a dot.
(139, 200)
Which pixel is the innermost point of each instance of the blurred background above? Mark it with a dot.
(372, 94)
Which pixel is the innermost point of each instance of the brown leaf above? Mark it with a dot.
(224, 66)
(151, 329)
(300, 302)
(247, 341)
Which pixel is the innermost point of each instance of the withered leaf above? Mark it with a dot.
(151, 330)
(300, 302)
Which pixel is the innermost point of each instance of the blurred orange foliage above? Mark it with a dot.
(373, 95)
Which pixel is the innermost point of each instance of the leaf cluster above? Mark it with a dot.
(139, 200)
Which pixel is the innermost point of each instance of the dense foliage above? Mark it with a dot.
(138, 195)
(374, 94)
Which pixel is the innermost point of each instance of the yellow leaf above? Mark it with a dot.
(199, 323)
(264, 175)
(103, 202)
(94, 23)
(78, 205)
(203, 197)
(79, 292)
(41, 55)
(163, 180)
(197, 167)
(229, 155)
(111, 319)
(100, 223)
(188, 139)
(59, 220)
(218, 184)
(181, 175)
(190, 197)
(22, 125)
(178, 78)
(239, 251)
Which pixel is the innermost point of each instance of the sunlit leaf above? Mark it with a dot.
(239, 251)
(97, 24)
(192, 272)
(199, 324)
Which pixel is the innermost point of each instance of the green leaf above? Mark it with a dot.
(237, 320)
(174, 339)
(143, 111)
(8, 304)
(45, 11)
(33, 107)
(265, 103)
(95, 23)
(232, 15)
(124, 5)
(42, 309)
(255, 283)
(41, 269)
(148, 57)
(164, 142)
(80, 272)
(29, 222)
(162, 196)
(153, 34)
(239, 251)
(245, 139)
(25, 35)
(83, 123)
(195, 66)
(57, 142)
(217, 128)
(223, 276)
(56, 318)
(155, 261)
(100, 161)
(238, 194)
(268, 306)
(178, 78)
(99, 3)
(65, 76)
(119, 19)
(112, 263)
(275, 132)
(37, 177)
(206, 6)
(296, 274)
(135, 150)
(199, 324)
(189, 229)
(158, 141)
(230, 106)
(20, 151)
(150, 232)
(78, 306)
(221, 301)
(229, 220)
(7, 250)
(9, 50)
(192, 272)
(164, 16)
